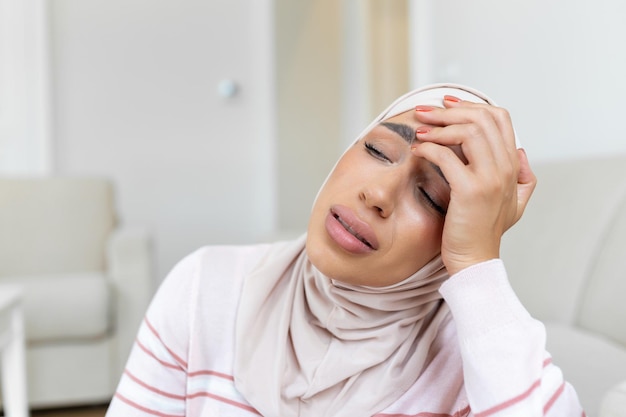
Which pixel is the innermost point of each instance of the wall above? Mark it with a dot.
(134, 98)
(308, 76)
(339, 63)
(557, 66)
(24, 89)
(375, 61)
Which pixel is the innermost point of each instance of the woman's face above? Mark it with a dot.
(379, 217)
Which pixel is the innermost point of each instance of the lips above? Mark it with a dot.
(350, 232)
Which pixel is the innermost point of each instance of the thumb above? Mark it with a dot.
(526, 182)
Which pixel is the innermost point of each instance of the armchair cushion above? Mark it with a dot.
(86, 284)
(63, 307)
(591, 363)
(566, 262)
(62, 223)
(614, 402)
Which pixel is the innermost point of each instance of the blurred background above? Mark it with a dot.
(218, 120)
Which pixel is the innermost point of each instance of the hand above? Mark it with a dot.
(490, 180)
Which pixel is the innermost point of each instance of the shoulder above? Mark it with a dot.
(211, 274)
(217, 261)
(207, 273)
(207, 282)
(238, 259)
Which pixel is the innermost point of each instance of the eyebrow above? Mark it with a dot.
(405, 131)
(408, 134)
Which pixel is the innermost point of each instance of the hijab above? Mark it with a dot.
(310, 346)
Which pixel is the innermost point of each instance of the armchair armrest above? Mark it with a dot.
(614, 402)
(129, 266)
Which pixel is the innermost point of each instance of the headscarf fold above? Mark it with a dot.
(310, 346)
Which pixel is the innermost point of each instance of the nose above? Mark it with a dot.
(380, 194)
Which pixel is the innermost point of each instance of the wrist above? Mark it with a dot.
(459, 267)
(457, 263)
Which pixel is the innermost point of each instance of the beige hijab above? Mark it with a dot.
(309, 346)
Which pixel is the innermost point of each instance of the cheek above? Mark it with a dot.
(346, 175)
(421, 238)
(336, 185)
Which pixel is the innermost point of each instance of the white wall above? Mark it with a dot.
(133, 88)
(24, 89)
(308, 88)
(134, 98)
(374, 61)
(557, 66)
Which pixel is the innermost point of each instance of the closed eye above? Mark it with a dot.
(429, 200)
(375, 152)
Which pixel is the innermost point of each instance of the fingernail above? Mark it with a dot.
(423, 108)
(422, 130)
(452, 99)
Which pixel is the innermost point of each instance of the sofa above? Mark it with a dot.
(566, 259)
(86, 284)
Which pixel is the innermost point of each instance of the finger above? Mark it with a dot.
(469, 112)
(501, 116)
(485, 120)
(453, 113)
(527, 181)
(452, 167)
(503, 139)
(463, 140)
(476, 127)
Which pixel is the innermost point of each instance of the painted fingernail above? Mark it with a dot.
(422, 130)
(423, 108)
(452, 99)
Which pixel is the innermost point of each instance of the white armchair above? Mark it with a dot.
(567, 262)
(614, 402)
(86, 285)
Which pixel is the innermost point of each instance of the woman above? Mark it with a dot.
(394, 303)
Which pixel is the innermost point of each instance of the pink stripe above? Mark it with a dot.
(553, 399)
(162, 362)
(460, 413)
(212, 373)
(171, 352)
(153, 389)
(144, 409)
(547, 362)
(224, 400)
(510, 402)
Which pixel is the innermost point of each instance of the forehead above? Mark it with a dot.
(408, 119)
(403, 124)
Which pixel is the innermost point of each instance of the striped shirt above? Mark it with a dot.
(488, 359)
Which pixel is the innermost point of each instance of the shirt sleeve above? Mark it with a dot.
(506, 369)
(155, 378)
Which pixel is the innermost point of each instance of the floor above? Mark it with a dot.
(91, 411)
